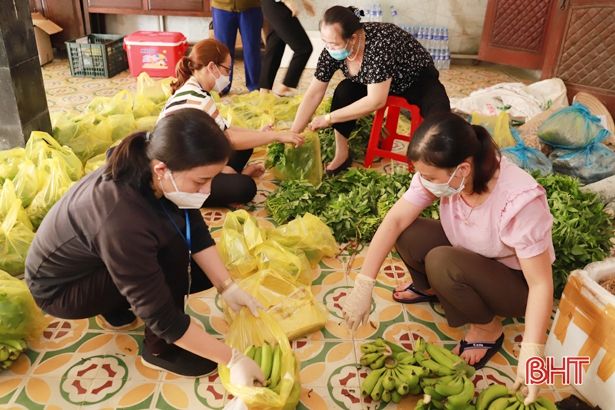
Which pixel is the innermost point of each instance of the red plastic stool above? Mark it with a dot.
(392, 108)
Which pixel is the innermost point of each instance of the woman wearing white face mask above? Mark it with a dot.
(208, 68)
(130, 236)
(377, 60)
(490, 255)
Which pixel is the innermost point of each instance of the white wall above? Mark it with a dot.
(464, 18)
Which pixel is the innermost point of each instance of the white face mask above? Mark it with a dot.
(443, 190)
(184, 200)
(221, 82)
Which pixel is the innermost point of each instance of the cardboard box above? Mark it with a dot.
(43, 28)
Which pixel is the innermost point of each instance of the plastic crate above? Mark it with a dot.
(97, 55)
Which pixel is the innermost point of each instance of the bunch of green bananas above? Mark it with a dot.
(394, 374)
(10, 349)
(269, 358)
(497, 397)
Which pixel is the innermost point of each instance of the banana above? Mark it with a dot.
(462, 399)
(451, 388)
(386, 396)
(276, 367)
(419, 345)
(415, 390)
(6, 364)
(377, 391)
(250, 352)
(377, 364)
(487, 396)
(546, 403)
(500, 403)
(267, 360)
(432, 393)
(369, 358)
(258, 353)
(403, 389)
(371, 348)
(14, 343)
(405, 358)
(370, 381)
(388, 382)
(436, 368)
(4, 354)
(396, 397)
(438, 355)
(395, 348)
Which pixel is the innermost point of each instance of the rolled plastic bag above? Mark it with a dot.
(55, 186)
(309, 234)
(247, 330)
(528, 158)
(20, 317)
(290, 303)
(7, 199)
(42, 146)
(9, 162)
(15, 240)
(572, 127)
(297, 163)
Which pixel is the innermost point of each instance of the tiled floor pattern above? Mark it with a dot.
(78, 364)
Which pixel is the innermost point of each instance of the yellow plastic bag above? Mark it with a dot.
(247, 330)
(9, 162)
(120, 103)
(43, 146)
(15, 240)
(309, 234)
(27, 181)
(301, 163)
(20, 317)
(146, 123)
(154, 90)
(7, 199)
(55, 186)
(122, 125)
(242, 222)
(498, 126)
(272, 255)
(96, 162)
(236, 254)
(291, 304)
(87, 135)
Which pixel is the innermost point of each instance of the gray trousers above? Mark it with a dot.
(470, 287)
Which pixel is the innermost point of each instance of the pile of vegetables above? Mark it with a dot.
(352, 204)
(444, 379)
(582, 230)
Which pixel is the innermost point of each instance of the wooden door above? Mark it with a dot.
(514, 32)
(581, 49)
(189, 6)
(65, 13)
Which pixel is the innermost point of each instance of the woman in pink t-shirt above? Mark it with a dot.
(490, 255)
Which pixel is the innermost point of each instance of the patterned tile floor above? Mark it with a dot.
(79, 364)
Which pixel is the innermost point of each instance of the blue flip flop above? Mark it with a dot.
(422, 296)
(492, 349)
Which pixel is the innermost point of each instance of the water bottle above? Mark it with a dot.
(438, 37)
(430, 38)
(374, 13)
(394, 16)
(420, 36)
(447, 59)
(380, 13)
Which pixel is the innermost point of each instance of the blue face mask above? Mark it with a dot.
(340, 54)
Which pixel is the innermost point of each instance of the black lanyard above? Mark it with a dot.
(188, 239)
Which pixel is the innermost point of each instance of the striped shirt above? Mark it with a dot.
(192, 95)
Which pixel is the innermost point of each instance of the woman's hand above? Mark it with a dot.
(356, 306)
(236, 298)
(244, 371)
(528, 350)
(290, 137)
(319, 123)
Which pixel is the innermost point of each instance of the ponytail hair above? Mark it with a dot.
(202, 53)
(184, 139)
(349, 19)
(445, 140)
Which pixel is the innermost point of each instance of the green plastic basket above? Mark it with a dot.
(97, 55)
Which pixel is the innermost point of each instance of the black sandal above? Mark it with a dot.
(492, 349)
(345, 165)
(422, 296)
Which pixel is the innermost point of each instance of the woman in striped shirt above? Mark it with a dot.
(207, 68)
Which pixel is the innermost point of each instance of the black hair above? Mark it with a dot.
(183, 139)
(347, 17)
(445, 140)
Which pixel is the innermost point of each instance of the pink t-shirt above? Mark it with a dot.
(514, 222)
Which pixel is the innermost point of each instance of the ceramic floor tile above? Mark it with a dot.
(328, 364)
(191, 394)
(316, 397)
(113, 393)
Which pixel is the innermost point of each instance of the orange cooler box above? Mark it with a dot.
(154, 52)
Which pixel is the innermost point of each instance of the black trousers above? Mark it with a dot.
(96, 294)
(228, 189)
(427, 92)
(285, 29)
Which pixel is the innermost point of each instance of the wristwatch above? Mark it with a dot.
(328, 118)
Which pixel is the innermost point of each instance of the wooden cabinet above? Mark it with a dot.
(65, 13)
(151, 7)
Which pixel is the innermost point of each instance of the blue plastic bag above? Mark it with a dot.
(572, 127)
(590, 164)
(528, 158)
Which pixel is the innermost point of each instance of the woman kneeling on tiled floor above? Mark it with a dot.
(489, 256)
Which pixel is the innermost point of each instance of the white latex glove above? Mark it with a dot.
(244, 371)
(528, 350)
(236, 298)
(356, 306)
